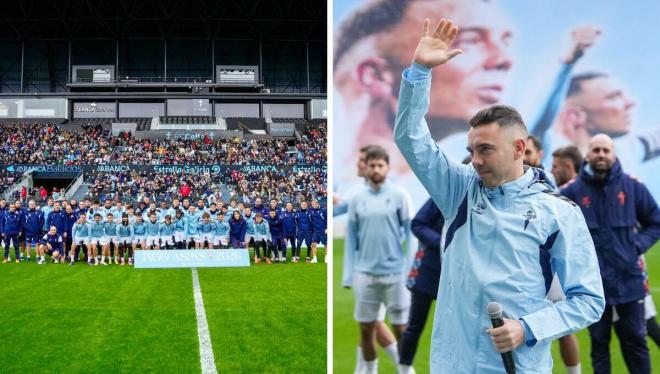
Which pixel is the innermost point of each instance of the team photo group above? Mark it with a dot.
(110, 233)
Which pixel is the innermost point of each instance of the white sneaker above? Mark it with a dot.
(104, 263)
(41, 262)
(314, 260)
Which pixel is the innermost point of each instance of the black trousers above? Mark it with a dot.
(631, 330)
(419, 311)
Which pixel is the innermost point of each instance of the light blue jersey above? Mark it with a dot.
(111, 228)
(80, 232)
(378, 225)
(167, 230)
(262, 230)
(125, 232)
(96, 230)
(192, 224)
(502, 245)
(140, 228)
(46, 212)
(206, 228)
(222, 228)
(153, 228)
(250, 224)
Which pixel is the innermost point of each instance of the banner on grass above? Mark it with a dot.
(197, 258)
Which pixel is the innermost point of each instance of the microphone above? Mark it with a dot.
(495, 313)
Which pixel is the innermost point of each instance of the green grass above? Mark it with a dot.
(346, 332)
(57, 318)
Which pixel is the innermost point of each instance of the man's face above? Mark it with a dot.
(109, 218)
(97, 219)
(315, 204)
(303, 205)
(607, 109)
(377, 170)
(289, 207)
(476, 78)
(562, 170)
(271, 214)
(175, 203)
(56, 207)
(220, 217)
(532, 155)
(50, 202)
(601, 156)
(53, 230)
(362, 165)
(31, 205)
(273, 203)
(108, 204)
(69, 210)
(3, 204)
(257, 201)
(493, 152)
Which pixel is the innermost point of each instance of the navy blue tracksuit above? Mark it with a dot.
(277, 235)
(11, 224)
(319, 225)
(289, 222)
(32, 221)
(423, 278)
(304, 230)
(624, 222)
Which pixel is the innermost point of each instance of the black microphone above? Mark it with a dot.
(495, 313)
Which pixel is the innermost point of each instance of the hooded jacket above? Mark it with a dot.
(624, 222)
(502, 245)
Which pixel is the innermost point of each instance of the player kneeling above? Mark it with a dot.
(50, 244)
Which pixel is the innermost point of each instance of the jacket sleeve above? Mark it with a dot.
(268, 237)
(573, 258)
(424, 225)
(648, 216)
(445, 180)
(350, 246)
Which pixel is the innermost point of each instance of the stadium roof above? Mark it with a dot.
(209, 19)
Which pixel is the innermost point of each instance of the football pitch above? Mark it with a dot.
(346, 333)
(60, 318)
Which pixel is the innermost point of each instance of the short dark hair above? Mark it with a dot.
(366, 148)
(377, 152)
(504, 115)
(571, 153)
(575, 86)
(536, 141)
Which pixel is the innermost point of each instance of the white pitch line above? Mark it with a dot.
(206, 358)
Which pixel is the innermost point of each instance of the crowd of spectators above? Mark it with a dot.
(56, 145)
(286, 186)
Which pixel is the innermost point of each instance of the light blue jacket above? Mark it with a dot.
(502, 245)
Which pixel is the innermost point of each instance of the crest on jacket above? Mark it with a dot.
(529, 215)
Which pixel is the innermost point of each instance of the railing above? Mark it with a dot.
(26, 180)
(129, 79)
(71, 189)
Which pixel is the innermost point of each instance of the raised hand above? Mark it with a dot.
(582, 38)
(433, 50)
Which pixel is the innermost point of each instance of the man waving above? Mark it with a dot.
(508, 233)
